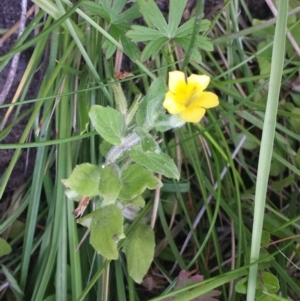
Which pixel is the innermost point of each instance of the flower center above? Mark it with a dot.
(191, 97)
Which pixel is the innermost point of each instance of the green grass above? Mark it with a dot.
(226, 226)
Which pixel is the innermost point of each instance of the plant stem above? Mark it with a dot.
(267, 143)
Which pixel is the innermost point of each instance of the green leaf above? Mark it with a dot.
(117, 6)
(50, 298)
(164, 123)
(196, 56)
(72, 195)
(277, 168)
(157, 162)
(130, 48)
(135, 179)
(128, 14)
(110, 183)
(5, 247)
(268, 282)
(264, 58)
(271, 297)
(13, 284)
(250, 142)
(120, 98)
(265, 238)
(241, 286)
(106, 230)
(108, 122)
(187, 27)
(281, 185)
(131, 208)
(148, 143)
(139, 250)
(16, 229)
(201, 42)
(118, 19)
(295, 120)
(86, 221)
(274, 225)
(95, 8)
(175, 15)
(297, 159)
(153, 15)
(142, 34)
(265, 32)
(110, 49)
(84, 179)
(204, 43)
(151, 106)
(105, 147)
(152, 48)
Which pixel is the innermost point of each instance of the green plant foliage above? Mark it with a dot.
(131, 208)
(295, 121)
(157, 162)
(84, 179)
(135, 179)
(280, 185)
(264, 58)
(151, 108)
(118, 22)
(156, 39)
(250, 142)
(108, 122)
(265, 238)
(272, 223)
(120, 99)
(267, 283)
(5, 248)
(106, 230)
(148, 143)
(297, 158)
(110, 183)
(132, 158)
(139, 250)
(241, 286)
(13, 284)
(106, 138)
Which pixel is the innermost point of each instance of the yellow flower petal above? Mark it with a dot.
(205, 100)
(193, 114)
(172, 104)
(199, 81)
(186, 98)
(176, 81)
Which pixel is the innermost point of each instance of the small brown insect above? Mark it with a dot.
(81, 206)
(122, 75)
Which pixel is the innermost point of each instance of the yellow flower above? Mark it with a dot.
(186, 98)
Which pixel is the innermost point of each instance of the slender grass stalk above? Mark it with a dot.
(198, 18)
(38, 178)
(267, 143)
(60, 221)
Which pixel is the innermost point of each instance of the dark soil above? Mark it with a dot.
(9, 15)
